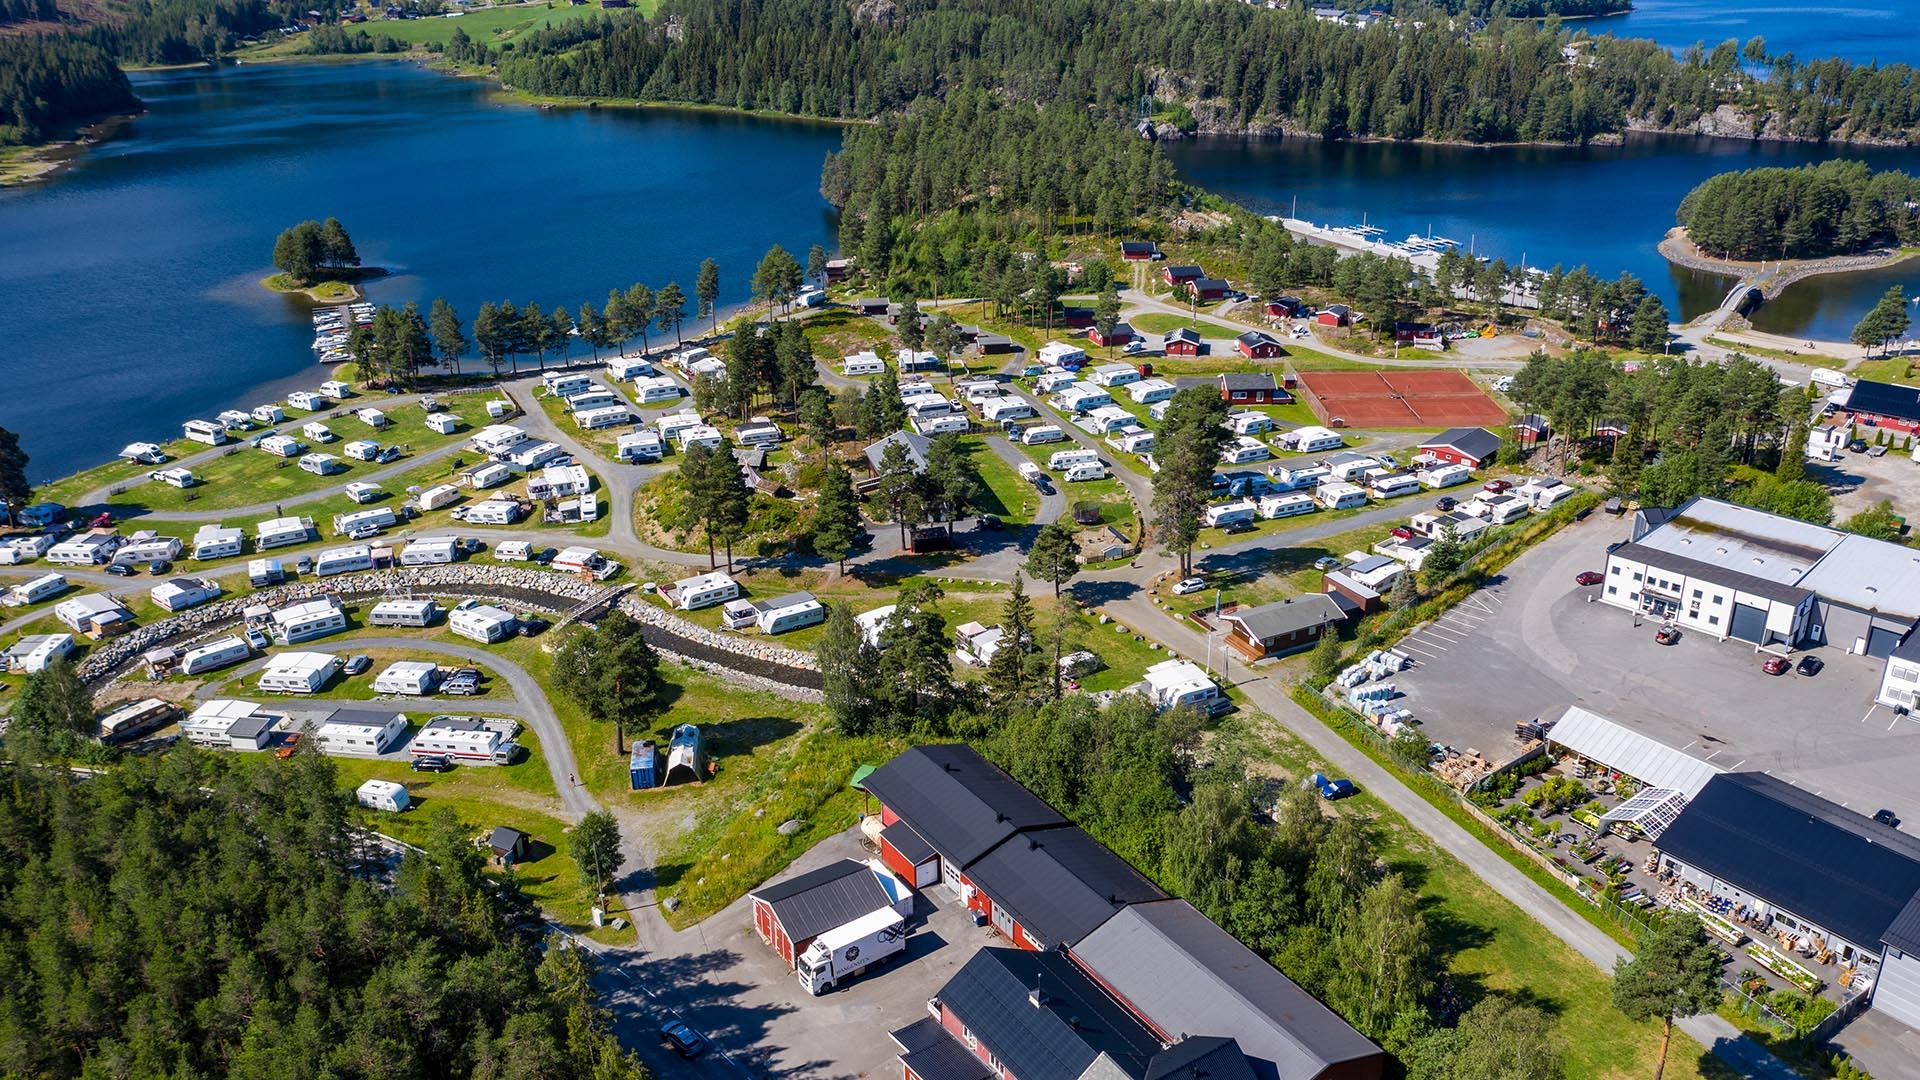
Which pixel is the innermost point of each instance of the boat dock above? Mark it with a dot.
(1422, 251)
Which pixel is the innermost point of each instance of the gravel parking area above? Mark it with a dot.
(1860, 481)
(1531, 644)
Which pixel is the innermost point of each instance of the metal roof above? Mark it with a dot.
(1475, 442)
(1059, 883)
(1249, 380)
(1742, 539)
(1870, 575)
(1784, 592)
(1189, 977)
(916, 447)
(958, 801)
(1655, 764)
(819, 900)
(1885, 399)
(932, 1054)
(1206, 1056)
(1790, 848)
(1904, 933)
(901, 838)
(1286, 616)
(1055, 1034)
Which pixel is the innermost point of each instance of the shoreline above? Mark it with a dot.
(21, 165)
(353, 295)
(1679, 250)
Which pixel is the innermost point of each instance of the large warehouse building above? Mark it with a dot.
(1734, 572)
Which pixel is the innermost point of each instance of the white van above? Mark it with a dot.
(1067, 459)
(1042, 433)
(1086, 470)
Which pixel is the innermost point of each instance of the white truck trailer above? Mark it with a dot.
(849, 949)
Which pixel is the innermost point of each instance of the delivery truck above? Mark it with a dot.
(849, 949)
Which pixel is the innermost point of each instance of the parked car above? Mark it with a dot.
(1810, 666)
(1326, 562)
(432, 763)
(363, 532)
(1331, 789)
(462, 683)
(1401, 532)
(257, 638)
(529, 624)
(1857, 446)
(357, 664)
(1775, 665)
(287, 748)
(1495, 486)
(1447, 502)
(1189, 585)
(682, 1039)
(544, 556)
(990, 522)
(1878, 451)
(1616, 546)
(304, 564)
(158, 567)
(121, 570)
(1589, 577)
(1666, 635)
(472, 545)
(1134, 346)
(1887, 818)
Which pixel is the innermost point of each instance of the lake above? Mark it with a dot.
(1861, 31)
(132, 301)
(1604, 206)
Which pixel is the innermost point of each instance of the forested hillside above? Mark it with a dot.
(1833, 208)
(188, 31)
(188, 915)
(1236, 66)
(48, 83)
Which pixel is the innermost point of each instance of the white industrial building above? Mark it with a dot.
(359, 732)
(298, 672)
(307, 620)
(483, 623)
(411, 677)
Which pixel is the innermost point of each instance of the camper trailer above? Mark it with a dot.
(306, 401)
(654, 390)
(1042, 433)
(1086, 470)
(496, 512)
(285, 446)
(214, 655)
(379, 517)
(41, 588)
(1067, 459)
(337, 390)
(862, 363)
(132, 721)
(372, 417)
(216, 541)
(704, 590)
(604, 416)
(437, 496)
(622, 368)
(211, 432)
(264, 572)
(321, 464)
(441, 423)
(497, 439)
(1238, 512)
(404, 613)
(429, 551)
(483, 623)
(388, 795)
(362, 450)
(269, 414)
(343, 560)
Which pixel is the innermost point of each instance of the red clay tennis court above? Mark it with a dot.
(1388, 399)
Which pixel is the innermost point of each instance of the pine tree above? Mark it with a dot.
(706, 290)
(670, 309)
(732, 499)
(836, 518)
(449, 337)
(847, 666)
(611, 672)
(1055, 555)
(15, 489)
(1009, 681)
(1674, 974)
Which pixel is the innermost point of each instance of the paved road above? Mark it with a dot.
(1136, 303)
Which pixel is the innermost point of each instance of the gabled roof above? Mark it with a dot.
(1070, 1027)
(1207, 1056)
(1286, 616)
(1475, 442)
(1885, 399)
(1059, 883)
(1904, 933)
(1617, 746)
(1184, 333)
(1250, 339)
(1680, 564)
(821, 899)
(932, 1054)
(1189, 978)
(958, 801)
(916, 445)
(1249, 380)
(1840, 870)
(1187, 270)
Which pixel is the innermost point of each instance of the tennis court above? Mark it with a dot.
(1435, 398)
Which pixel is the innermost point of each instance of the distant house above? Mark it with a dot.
(1182, 342)
(1335, 315)
(1119, 335)
(1257, 345)
(1208, 288)
(1885, 405)
(916, 447)
(1287, 307)
(1252, 388)
(1180, 275)
(1532, 428)
(509, 846)
(1283, 626)
(1139, 250)
(1472, 447)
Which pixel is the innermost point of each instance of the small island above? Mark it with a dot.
(1834, 217)
(317, 259)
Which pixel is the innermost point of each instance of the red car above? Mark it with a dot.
(1590, 577)
(1401, 532)
(1666, 635)
(1775, 665)
(1495, 486)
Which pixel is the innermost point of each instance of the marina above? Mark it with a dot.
(1423, 252)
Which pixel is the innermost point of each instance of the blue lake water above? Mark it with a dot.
(131, 301)
(1862, 31)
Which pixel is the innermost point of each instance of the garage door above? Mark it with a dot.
(1749, 623)
(1898, 991)
(1880, 642)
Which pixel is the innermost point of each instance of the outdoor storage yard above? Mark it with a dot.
(1390, 399)
(1530, 644)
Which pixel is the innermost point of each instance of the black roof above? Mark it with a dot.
(1909, 647)
(1059, 883)
(819, 900)
(932, 1054)
(1183, 333)
(959, 802)
(1185, 270)
(1680, 564)
(1904, 934)
(1139, 245)
(1840, 870)
(1207, 1056)
(1885, 399)
(1056, 1039)
(1475, 442)
(1249, 380)
(901, 837)
(505, 838)
(248, 727)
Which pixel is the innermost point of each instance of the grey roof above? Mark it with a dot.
(792, 599)
(1680, 564)
(1249, 380)
(1057, 1039)
(819, 900)
(1844, 872)
(1287, 616)
(1253, 337)
(1475, 442)
(1904, 933)
(1190, 977)
(1183, 333)
(249, 727)
(1185, 270)
(1909, 647)
(375, 717)
(453, 723)
(504, 838)
(917, 446)
(1059, 883)
(1205, 283)
(1205, 1056)
(932, 1054)
(959, 802)
(1368, 564)
(901, 837)
(1869, 575)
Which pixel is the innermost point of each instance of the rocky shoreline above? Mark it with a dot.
(1676, 248)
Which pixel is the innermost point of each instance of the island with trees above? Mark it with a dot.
(318, 258)
(1832, 210)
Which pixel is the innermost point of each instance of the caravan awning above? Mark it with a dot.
(1624, 750)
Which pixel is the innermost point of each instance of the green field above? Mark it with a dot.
(1013, 499)
(1155, 322)
(67, 490)
(492, 25)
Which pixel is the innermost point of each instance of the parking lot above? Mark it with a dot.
(723, 980)
(1860, 481)
(1531, 644)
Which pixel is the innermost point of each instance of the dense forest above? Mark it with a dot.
(28, 10)
(188, 31)
(49, 82)
(1235, 66)
(1833, 208)
(187, 915)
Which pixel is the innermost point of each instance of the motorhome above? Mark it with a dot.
(604, 416)
(180, 478)
(372, 417)
(429, 551)
(343, 560)
(532, 455)
(862, 363)
(496, 512)
(317, 431)
(137, 719)
(404, 613)
(622, 368)
(704, 590)
(1238, 512)
(1067, 459)
(1287, 505)
(211, 432)
(362, 450)
(1244, 450)
(1042, 433)
(216, 541)
(306, 401)
(497, 439)
(337, 390)
(1086, 470)
(285, 446)
(1339, 495)
(655, 389)
(264, 572)
(41, 588)
(236, 420)
(269, 414)
(143, 453)
(484, 623)
(442, 423)
(379, 517)
(215, 654)
(437, 496)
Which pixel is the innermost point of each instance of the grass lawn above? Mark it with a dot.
(492, 25)
(1792, 356)
(247, 477)
(837, 334)
(1013, 499)
(1486, 944)
(1155, 322)
(771, 522)
(1894, 369)
(68, 490)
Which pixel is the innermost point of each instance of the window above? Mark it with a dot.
(1636, 575)
(1719, 600)
(1614, 569)
(1712, 620)
(973, 1041)
(1696, 594)
(1612, 589)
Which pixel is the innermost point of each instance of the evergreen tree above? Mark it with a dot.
(1106, 313)
(53, 716)
(336, 247)
(1009, 671)
(1648, 331)
(915, 669)
(777, 279)
(1324, 661)
(836, 518)
(706, 291)
(1189, 451)
(847, 665)
(639, 313)
(900, 491)
(1055, 555)
(1885, 323)
(699, 498)
(670, 309)
(732, 499)
(909, 325)
(1675, 973)
(1447, 555)
(449, 337)
(15, 489)
(611, 672)
(817, 263)
(594, 844)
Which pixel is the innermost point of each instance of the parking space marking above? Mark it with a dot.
(1869, 712)
(1450, 631)
(1461, 624)
(1410, 645)
(1433, 645)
